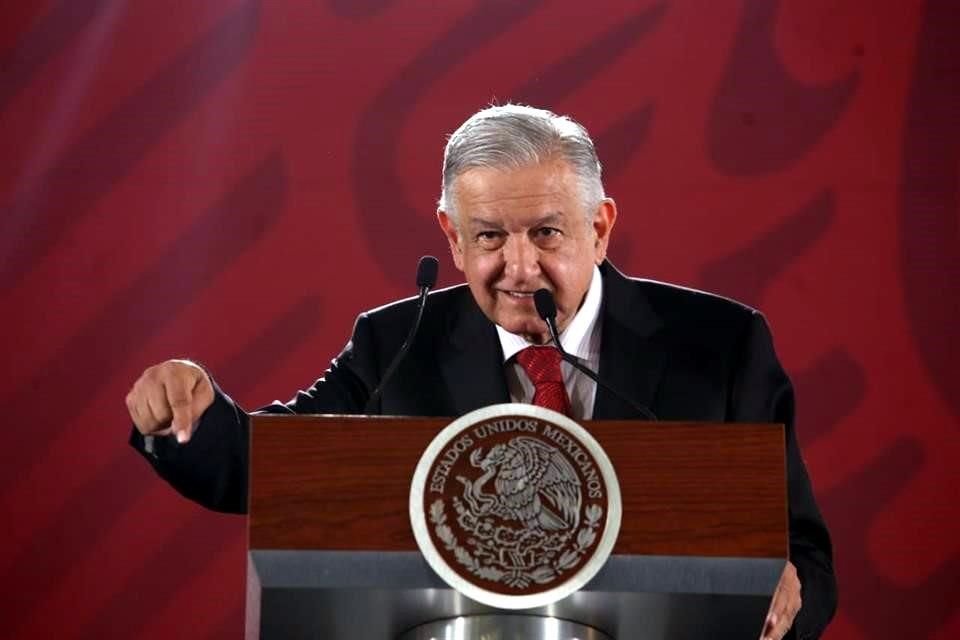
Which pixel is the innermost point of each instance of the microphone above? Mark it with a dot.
(426, 279)
(427, 269)
(547, 310)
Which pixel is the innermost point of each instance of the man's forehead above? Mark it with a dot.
(544, 186)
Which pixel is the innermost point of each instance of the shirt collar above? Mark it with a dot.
(576, 337)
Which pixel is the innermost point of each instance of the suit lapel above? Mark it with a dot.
(472, 361)
(631, 357)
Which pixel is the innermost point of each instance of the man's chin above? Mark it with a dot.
(532, 329)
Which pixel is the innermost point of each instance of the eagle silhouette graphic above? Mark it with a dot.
(534, 485)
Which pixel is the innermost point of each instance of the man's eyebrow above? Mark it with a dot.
(549, 218)
(483, 222)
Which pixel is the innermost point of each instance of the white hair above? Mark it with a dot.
(512, 136)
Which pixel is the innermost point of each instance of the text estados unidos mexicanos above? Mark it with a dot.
(465, 442)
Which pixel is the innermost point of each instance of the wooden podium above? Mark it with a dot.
(702, 543)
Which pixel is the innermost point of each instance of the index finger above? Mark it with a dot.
(179, 390)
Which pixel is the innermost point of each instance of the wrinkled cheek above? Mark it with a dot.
(485, 271)
(482, 293)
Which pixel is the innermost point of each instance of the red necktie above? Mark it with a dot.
(542, 365)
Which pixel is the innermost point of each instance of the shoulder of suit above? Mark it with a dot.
(657, 290)
(681, 306)
(700, 321)
(439, 302)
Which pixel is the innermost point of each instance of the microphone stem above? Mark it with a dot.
(575, 363)
(421, 304)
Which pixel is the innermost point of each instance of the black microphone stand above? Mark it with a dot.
(426, 279)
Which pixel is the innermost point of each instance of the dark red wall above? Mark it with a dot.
(233, 180)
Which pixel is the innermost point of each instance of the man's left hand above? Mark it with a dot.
(785, 605)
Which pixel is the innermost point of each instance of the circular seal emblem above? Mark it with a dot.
(515, 506)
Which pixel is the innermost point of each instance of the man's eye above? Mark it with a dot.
(548, 232)
(489, 239)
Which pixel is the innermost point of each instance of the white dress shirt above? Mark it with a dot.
(581, 338)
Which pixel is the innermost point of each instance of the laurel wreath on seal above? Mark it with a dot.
(543, 574)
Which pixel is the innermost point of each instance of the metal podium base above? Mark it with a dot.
(503, 627)
(308, 595)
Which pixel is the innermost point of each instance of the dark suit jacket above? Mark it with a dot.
(685, 354)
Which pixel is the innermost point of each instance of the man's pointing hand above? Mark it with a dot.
(169, 398)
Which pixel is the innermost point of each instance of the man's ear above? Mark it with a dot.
(603, 220)
(453, 237)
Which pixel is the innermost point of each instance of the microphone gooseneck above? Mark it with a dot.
(427, 270)
(547, 310)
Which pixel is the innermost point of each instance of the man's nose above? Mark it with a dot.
(521, 258)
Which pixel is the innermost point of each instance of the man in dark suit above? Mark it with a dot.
(523, 208)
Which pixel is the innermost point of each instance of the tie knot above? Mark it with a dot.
(542, 364)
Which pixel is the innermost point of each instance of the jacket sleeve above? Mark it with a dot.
(762, 392)
(211, 469)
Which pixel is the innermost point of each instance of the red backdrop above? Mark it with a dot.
(233, 180)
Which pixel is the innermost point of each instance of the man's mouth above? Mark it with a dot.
(518, 294)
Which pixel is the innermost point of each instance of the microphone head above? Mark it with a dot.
(546, 306)
(427, 272)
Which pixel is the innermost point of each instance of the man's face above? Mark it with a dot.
(519, 230)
